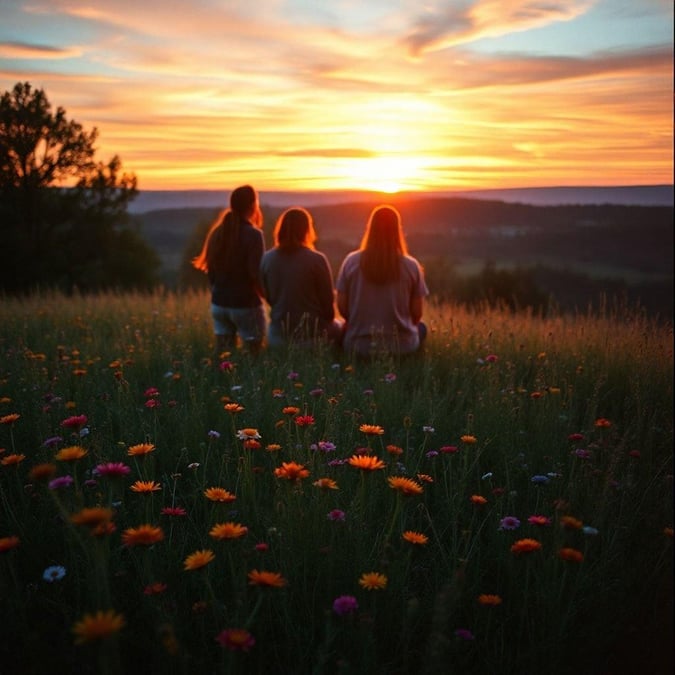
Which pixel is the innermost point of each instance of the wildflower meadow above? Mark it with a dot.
(501, 503)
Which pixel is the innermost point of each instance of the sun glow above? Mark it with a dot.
(385, 173)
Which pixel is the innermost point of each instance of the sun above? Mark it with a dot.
(382, 173)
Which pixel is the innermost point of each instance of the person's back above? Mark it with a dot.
(381, 290)
(298, 284)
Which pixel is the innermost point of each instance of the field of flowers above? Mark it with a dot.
(501, 504)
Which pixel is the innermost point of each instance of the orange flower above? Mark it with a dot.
(394, 450)
(373, 581)
(290, 410)
(42, 471)
(8, 543)
(478, 499)
(10, 419)
(233, 408)
(366, 462)
(487, 599)
(228, 531)
(95, 627)
(140, 449)
(145, 486)
(198, 559)
(602, 423)
(571, 555)
(143, 535)
(525, 546)
(92, 517)
(218, 494)
(70, 454)
(247, 434)
(12, 460)
(273, 447)
(405, 486)
(252, 444)
(668, 531)
(268, 579)
(415, 537)
(371, 429)
(570, 523)
(468, 439)
(326, 484)
(425, 477)
(291, 471)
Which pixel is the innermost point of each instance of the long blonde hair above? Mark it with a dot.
(224, 232)
(383, 245)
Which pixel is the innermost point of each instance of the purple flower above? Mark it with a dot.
(337, 462)
(214, 434)
(345, 604)
(52, 441)
(432, 453)
(390, 377)
(316, 392)
(60, 482)
(509, 523)
(336, 515)
(293, 375)
(326, 446)
(582, 454)
(464, 634)
(540, 480)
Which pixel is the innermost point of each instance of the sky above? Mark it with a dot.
(358, 94)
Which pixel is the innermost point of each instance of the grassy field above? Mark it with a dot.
(501, 504)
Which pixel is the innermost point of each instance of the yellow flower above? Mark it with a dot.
(405, 486)
(143, 535)
(70, 454)
(218, 494)
(141, 449)
(371, 429)
(145, 486)
(269, 579)
(94, 627)
(326, 484)
(228, 531)
(415, 537)
(198, 559)
(373, 581)
(366, 462)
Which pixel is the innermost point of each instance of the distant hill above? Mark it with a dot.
(638, 195)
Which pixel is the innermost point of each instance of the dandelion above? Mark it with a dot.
(235, 639)
(70, 454)
(571, 523)
(218, 494)
(525, 546)
(366, 462)
(143, 535)
(8, 543)
(337, 515)
(571, 555)
(345, 604)
(266, 579)
(54, 573)
(468, 439)
(60, 482)
(140, 449)
(145, 486)
(111, 470)
(371, 430)
(489, 600)
(406, 486)
(541, 521)
(198, 559)
(373, 581)
(509, 523)
(291, 471)
(12, 460)
(326, 484)
(228, 530)
(415, 537)
(99, 626)
(479, 500)
(248, 434)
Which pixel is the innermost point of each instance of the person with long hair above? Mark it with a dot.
(381, 290)
(297, 283)
(230, 257)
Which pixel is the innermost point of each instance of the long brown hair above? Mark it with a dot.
(294, 229)
(383, 245)
(224, 232)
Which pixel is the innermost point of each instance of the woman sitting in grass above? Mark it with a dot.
(298, 285)
(381, 290)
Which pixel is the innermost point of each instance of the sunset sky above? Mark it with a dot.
(358, 94)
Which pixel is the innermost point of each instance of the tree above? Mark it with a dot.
(63, 215)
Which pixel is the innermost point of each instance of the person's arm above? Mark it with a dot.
(324, 289)
(416, 309)
(343, 305)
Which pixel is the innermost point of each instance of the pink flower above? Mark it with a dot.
(235, 639)
(74, 422)
(112, 470)
(345, 604)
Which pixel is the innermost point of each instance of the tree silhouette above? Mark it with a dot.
(63, 215)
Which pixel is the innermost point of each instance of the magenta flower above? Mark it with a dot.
(75, 422)
(336, 515)
(112, 470)
(60, 482)
(174, 511)
(345, 604)
(464, 634)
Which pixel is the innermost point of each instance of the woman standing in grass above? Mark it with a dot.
(231, 257)
(381, 290)
(298, 284)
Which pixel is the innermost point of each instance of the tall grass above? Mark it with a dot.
(517, 433)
